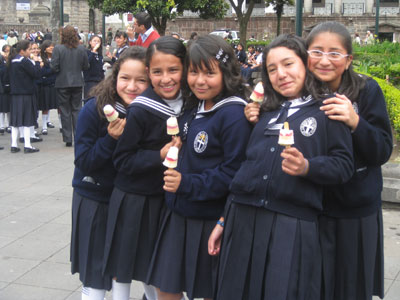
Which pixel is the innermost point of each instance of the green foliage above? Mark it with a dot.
(162, 10)
(392, 97)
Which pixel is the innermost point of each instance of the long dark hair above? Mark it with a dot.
(209, 49)
(21, 45)
(46, 44)
(312, 86)
(351, 82)
(100, 49)
(124, 35)
(106, 91)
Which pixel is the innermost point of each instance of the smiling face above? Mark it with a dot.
(35, 49)
(165, 73)
(120, 41)
(286, 72)
(132, 80)
(329, 71)
(205, 84)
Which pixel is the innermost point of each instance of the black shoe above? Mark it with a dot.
(50, 125)
(30, 150)
(8, 129)
(1, 131)
(44, 131)
(21, 140)
(68, 144)
(36, 139)
(1, 148)
(144, 297)
(15, 149)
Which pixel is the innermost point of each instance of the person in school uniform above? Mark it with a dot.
(94, 171)
(48, 93)
(4, 89)
(95, 73)
(137, 202)
(121, 39)
(23, 74)
(270, 248)
(214, 134)
(351, 226)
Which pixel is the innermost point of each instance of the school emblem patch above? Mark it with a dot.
(200, 142)
(308, 126)
(355, 107)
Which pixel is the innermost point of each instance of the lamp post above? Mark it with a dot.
(299, 17)
(61, 13)
(377, 18)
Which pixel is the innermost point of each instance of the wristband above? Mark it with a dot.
(221, 223)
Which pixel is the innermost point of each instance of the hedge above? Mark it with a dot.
(392, 97)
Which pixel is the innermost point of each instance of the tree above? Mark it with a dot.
(243, 17)
(161, 11)
(278, 7)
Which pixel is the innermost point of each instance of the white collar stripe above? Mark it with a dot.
(154, 105)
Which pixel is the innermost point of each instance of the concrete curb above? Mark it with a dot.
(391, 182)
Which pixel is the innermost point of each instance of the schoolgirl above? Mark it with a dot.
(215, 133)
(137, 202)
(122, 42)
(4, 89)
(270, 248)
(351, 230)
(94, 174)
(47, 91)
(23, 74)
(95, 73)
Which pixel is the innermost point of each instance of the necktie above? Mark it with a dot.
(271, 128)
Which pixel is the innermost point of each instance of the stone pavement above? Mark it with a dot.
(35, 222)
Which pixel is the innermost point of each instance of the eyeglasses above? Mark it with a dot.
(330, 55)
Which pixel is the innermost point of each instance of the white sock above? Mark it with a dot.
(14, 136)
(32, 131)
(92, 294)
(2, 116)
(59, 121)
(150, 291)
(45, 119)
(21, 132)
(27, 133)
(120, 291)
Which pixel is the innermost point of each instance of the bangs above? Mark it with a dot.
(199, 58)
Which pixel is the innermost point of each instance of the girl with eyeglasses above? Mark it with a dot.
(351, 230)
(270, 248)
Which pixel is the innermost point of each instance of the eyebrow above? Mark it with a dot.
(282, 60)
(330, 49)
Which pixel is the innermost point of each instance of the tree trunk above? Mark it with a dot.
(278, 25)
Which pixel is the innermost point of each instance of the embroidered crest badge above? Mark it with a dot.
(308, 126)
(200, 142)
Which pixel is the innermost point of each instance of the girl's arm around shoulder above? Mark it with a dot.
(131, 156)
(336, 166)
(213, 183)
(92, 149)
(373, 136)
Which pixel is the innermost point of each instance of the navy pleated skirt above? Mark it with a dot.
(180, 260)
(268, 256)
(47, 98)
(23, 110)
(132, 230)
(89, 220)
(352, 252)
(5, 103)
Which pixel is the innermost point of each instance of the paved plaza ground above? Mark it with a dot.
(35, 225)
